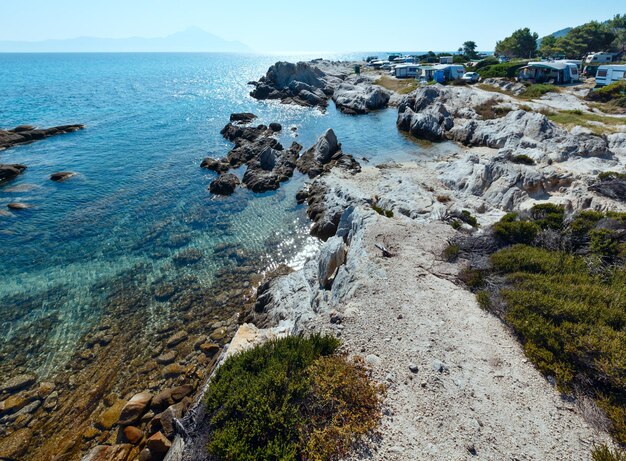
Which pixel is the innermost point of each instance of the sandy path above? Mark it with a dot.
(474, 391)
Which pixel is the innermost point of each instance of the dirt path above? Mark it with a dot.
(475, 395)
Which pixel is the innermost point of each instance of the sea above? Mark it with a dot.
(140, 198)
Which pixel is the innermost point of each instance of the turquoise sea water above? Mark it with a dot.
(140, 197)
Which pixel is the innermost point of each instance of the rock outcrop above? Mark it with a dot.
(26, 133)
(10, 171)
(301, 83)
(360, 97)
(225, 184)
(324, 155)
(61, 176)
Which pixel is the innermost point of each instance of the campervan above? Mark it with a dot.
(406, 70)
(446, 72)
(599, 58)
(610, 74)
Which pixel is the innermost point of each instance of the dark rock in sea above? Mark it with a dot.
(25, 133)
(270, 168)
(62, 175)
(276, 127)
(302, 83)
(224, 185)
(10, 171)
(244, 117)
(324, 155)
(218, 166)
(613, 188)
(18, 206)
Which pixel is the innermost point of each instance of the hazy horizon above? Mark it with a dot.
(283, 27)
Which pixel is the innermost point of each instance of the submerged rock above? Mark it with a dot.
(18, 206)
(244, 117)
(17, 383)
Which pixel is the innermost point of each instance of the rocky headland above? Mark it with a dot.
(381, 284)
(313, 84)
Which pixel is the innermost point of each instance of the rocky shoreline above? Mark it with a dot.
(399, 307)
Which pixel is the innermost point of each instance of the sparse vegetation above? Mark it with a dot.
(489, 109)
(292, 398)
(451, 252)
(537, 90)
(506, 69)
(401, 86)
(560, 283)
(610, 175)
(443, 198)
(604, 453)
(522, 159)
(571, 118)
(382, 211)
(612, 95)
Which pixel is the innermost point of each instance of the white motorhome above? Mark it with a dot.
(599, 58)
(446, 72)
(610, 74)
(406, 70)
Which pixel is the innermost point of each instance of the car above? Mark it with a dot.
(470, 77)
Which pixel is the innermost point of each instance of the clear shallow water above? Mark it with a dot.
(140, 197)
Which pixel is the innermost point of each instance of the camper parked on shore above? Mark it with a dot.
(446, 72)
(406, 70)
(599, 58)
(610, 74)
(558, 72)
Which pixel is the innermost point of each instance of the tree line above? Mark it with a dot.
(575, 44)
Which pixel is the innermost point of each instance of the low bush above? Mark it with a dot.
(468, 218)
(443, 198)
(292, 398)
(506, 69)
(611, 175)
(522, 159)
(489, 110)
(512, 232)
(537, 90)
(604, 453)
(451, 252)
(612, 93)
(382, 211)
(566, 301)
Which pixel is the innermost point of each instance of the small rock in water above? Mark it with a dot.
(176, 339)
(166, 358)
(61, 176)
(413, 368)
(18, 206)
(275, 127)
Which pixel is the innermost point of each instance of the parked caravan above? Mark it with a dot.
(599, 58)
(446, 72)
(610, 74)
(406, 70)
(559, 72)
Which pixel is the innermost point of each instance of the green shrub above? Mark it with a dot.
(604, 242)
(537, 90)
(548, 215)
(512, 232)
(291, 398)
(604, 453)
(484, 299)
(456, 224)
(382, 211)
(611, 93)
(522, 159)
(504, 70)
(468, 218)
(473, 278)
(610, 175)
(451, 252)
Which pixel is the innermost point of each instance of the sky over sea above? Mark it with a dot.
(277, 26)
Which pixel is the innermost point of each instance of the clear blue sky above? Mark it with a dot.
(291, 25)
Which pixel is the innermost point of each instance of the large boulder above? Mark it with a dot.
(360, 98)
(313, 160)
(332, 257)
(135, 408)
(224, 184)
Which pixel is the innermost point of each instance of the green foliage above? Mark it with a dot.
(473, 278)
(289, 397)
(456, 224)
(537, 90)
(512, 232)
(613, 94)
(469, 49)
(521, 44)
(548, 215)
(484, 299)
(490, 61)
(522, 159)
(468, 218)
(504, 70)
(451, 252)
(604, 243)
(604, 453)
(610, 175)
(490, 110)
(382, 211)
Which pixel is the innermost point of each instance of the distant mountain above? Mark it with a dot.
(557, 34)
(190, 40)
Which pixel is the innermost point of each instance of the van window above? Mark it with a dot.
(617, 75)
(601, 73)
